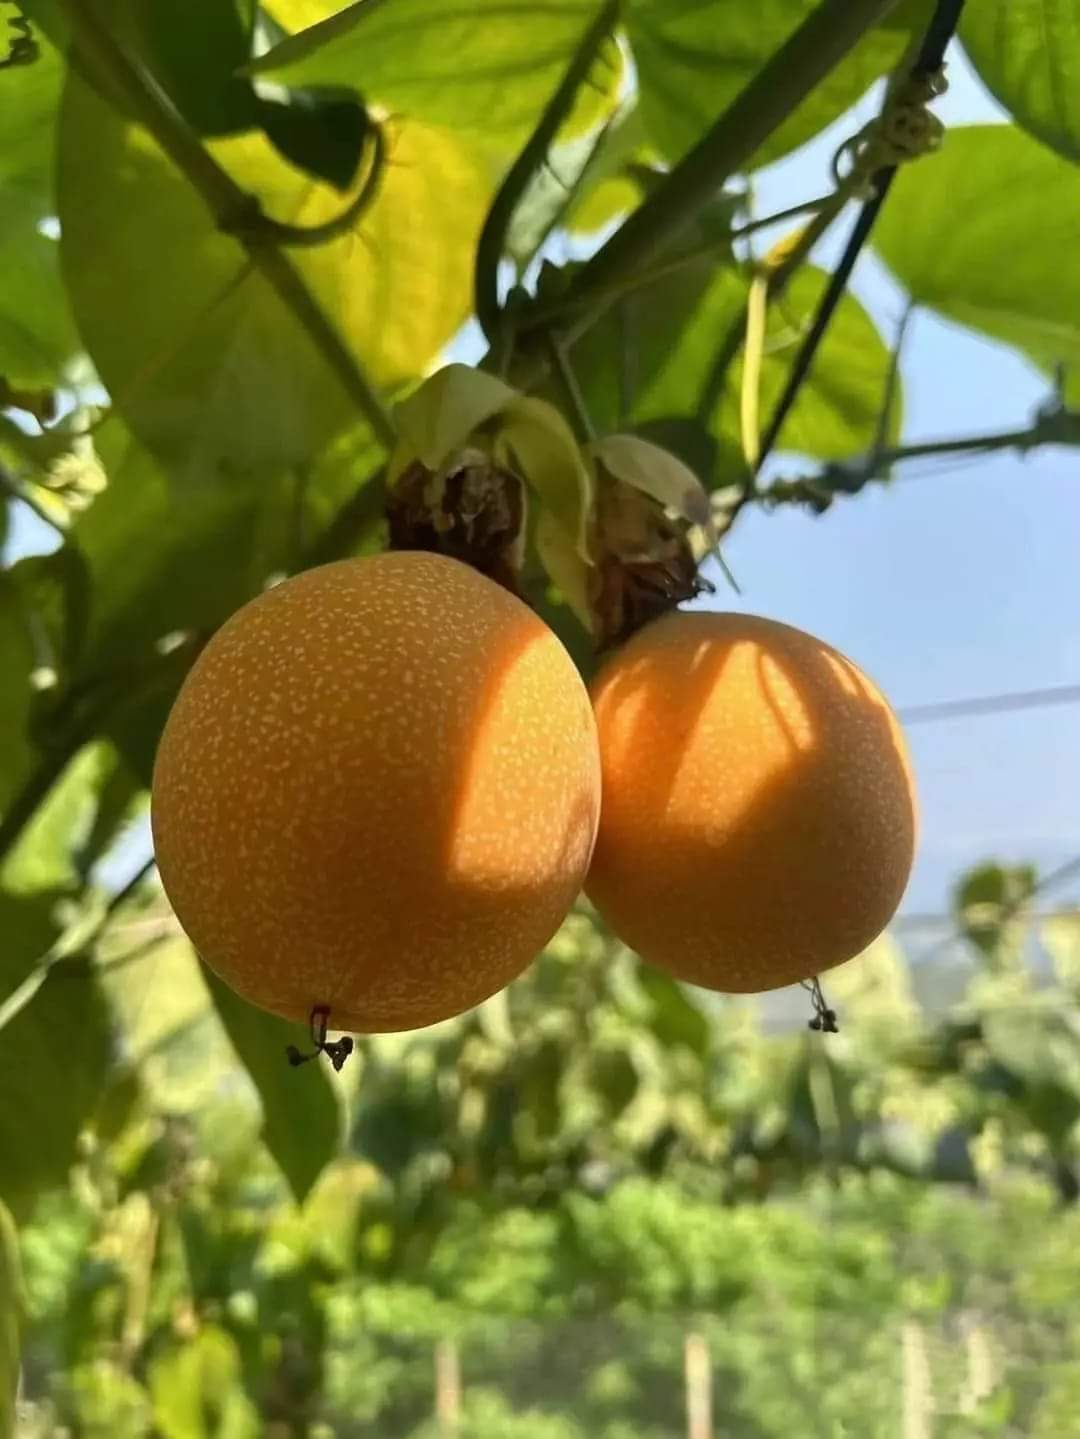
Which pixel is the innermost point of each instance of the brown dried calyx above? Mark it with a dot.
(652, 529)
(470, 509)
(469, 446)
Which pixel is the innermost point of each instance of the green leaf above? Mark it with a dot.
(655, 472)
(563, 564)
(667, 338)
(158, 562)
(144, 565)
(1027, 54)
(54, 1058)
(614, 1076)
(612, 183)
(545, 453)
(55, 594)
(489, 65)
(16, 665)
(321, 134)
(213, 372)
(1039, 1046)
(1061, 938)
(198, 1390)
(39, 875)
(838, 408)
(440, 416)
(301, 1115)
(45, 857)
(989, 902)
(570, 166)
(322, 130)
(693, 57)
(37, 336)
(675, 1018)
(983, 233)
(196, 49)
(10, 1306)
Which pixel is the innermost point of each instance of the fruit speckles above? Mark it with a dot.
(378, 790)
(758, 820)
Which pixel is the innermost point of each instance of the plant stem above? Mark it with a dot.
(228, 203)
(1058, 426)
(492, 243)
(779, 279)
(571, 389)
(892, 379)
(565, 308)
(779, 86)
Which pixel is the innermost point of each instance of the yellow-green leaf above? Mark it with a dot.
(1027, 54)
(561, 559)
(10, 1306)
(693, 57)
(197, 1389)
(301, 1114)
(984, 232)
(655, 472)
(488, 65)
(543, 450)
(211, 369)
(37, 336)
(441, 415)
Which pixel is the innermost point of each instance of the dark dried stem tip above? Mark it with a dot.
(337, 1051)
(824, 1018)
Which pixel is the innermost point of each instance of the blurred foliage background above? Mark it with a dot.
(528, 1221)
(603, 1205)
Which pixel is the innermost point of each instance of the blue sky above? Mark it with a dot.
(959, 579)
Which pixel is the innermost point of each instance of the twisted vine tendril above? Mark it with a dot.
(337, 1051)
(903, 131)
(907, 130)
(23, 47)
(824, 1019)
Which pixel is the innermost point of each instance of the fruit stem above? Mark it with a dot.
(824, 1018)
(337, 1051)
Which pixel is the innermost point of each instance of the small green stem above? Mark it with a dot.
(1054, 427)
(892, 380)
(227, 202)
(805, 207)
(564, 308)
(729, 347)
(568, 382)
(255, 227)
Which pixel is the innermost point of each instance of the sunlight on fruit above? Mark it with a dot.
(377, 791)
(758, 820)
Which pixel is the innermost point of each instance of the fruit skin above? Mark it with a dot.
(758, 819)
(377, 790)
